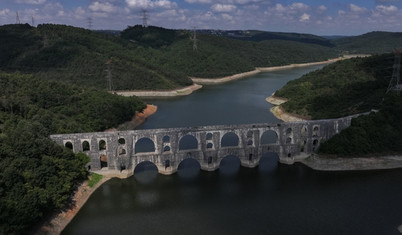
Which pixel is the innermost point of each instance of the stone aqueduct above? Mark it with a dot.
(167, 148)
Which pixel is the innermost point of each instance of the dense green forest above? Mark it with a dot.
(346, 87)
(79, 56)
(370, 43)
(218, 56)
(376, 134)
(350, 87)
(37, 176)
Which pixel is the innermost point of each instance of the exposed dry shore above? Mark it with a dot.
(215, 81)
(280, 113)
(322, 163)
(137, 120)
(59, 221)
(161, 94)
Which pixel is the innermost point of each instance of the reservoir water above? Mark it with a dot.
(269, 199)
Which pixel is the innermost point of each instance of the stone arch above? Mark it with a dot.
(209, 160)
(315, 142)
(188, 142)
(144, 145)
(269, 137)
(289, 131)
(249, 134)
(209, 136)
(210, 146)
(268, 162)
(102, 145)
(145, 172)
(229, 165)
(288, 140)
(85, 146)
(166, 148)
(69, 145)
(188, 168)
(316, 130)
(250, 142)
(166, 139)
(103, 160)
(230, 139)
(122, 141)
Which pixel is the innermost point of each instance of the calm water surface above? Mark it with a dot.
(269, 199)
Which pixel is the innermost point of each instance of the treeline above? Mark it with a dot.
(37, 176)
(370, 43)
(218, 56)
(343, 88)
(376, 134)
(79, 56)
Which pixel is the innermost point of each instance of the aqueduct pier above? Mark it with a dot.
(167, 148)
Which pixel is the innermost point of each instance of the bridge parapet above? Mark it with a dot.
(167, 148)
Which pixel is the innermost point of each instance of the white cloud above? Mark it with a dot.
(223, 7)
(4, 12)
(33, 2)
(199, 1)
(104, 7)
(151, 4)
(386, 9)
(305, 17)
(356, 9)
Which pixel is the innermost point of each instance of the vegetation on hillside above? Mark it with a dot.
(37, 176)
(79, 56)
(350, 87)
(219, 56)
(376, 134)
(370, 43)
(343, 88)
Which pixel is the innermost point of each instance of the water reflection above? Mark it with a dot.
(189, 169)
(146, 172)
(229, 166)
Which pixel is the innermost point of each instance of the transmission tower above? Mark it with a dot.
(17, 18)
(395, 83)
(109, 75)
(194, 39)
(90, 23)
(33, 22)
(145, 18)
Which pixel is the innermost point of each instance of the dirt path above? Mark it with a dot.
(137, 120)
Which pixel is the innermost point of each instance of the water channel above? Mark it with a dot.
(269, 199)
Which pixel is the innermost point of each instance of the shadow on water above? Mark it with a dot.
(229, 166)
(146, 172)
(189, 169)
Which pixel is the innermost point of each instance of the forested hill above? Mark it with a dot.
(37, 176)
(343, 88)
(218, 56)
(79, 56)
(350, 87)
(370, 43)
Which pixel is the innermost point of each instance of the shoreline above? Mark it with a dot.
(280, 113)
(58, 221)
(216, 81)
(321, 163)
(138, 119)
(161, 94)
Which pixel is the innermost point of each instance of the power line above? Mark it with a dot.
(17, 18)
(145, 18)
(194, 39)
(395, 83)
(109, 75)
(90, 23)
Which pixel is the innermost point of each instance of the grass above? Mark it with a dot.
(94, 179)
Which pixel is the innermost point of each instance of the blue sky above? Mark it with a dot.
(329, 17)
